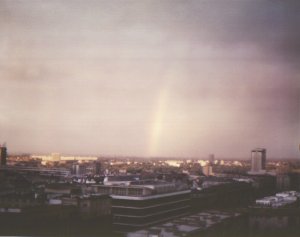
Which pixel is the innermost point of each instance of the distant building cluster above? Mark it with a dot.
(57, 157)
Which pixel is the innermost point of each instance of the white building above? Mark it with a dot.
(279, 200)
(207, 170)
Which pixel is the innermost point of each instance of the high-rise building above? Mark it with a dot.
(211, 159)
(98, 168)
(258, 160)
(3, 154)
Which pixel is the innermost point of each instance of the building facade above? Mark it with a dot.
(142, 204)
(3, 155)
(258, 160)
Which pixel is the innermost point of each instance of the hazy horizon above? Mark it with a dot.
(143, 158)
(150, 78)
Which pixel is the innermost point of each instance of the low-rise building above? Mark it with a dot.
(145, 203)
(279, 200)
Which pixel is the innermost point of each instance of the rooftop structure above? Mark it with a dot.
(186, 225)
(120, 179)
(140, 189)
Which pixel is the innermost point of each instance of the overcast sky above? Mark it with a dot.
(150, 78)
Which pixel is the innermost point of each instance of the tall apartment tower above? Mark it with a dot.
(211, 159)
(3, 154)
(258, 160)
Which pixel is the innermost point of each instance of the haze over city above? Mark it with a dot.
(150, 78)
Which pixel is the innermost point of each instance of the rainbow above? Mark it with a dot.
(158, 120)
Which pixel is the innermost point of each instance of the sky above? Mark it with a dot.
(150, 77)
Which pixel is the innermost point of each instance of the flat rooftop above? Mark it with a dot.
(186, 225)
(142, 188)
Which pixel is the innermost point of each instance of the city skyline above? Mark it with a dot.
(150, 78)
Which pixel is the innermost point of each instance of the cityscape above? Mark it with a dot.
(147, 118)
(60, 195)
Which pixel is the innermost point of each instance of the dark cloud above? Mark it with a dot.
(117, 75)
